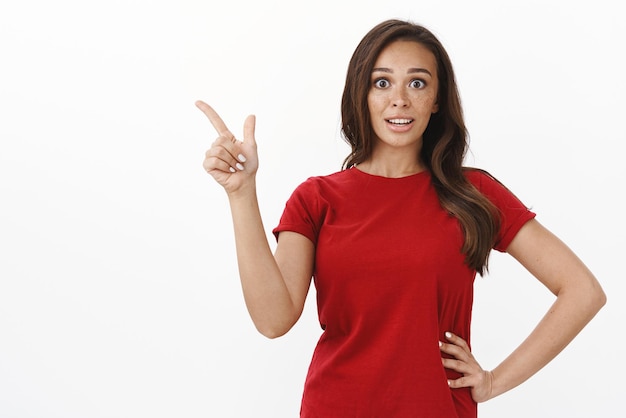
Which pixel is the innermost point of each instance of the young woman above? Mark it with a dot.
(394, 241)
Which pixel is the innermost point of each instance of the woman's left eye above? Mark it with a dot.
(418, 84)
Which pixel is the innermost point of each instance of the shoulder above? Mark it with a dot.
(478, 176)
(513, 212)
(491, 187)
(309, 203)
(484, 181)
(325, 182)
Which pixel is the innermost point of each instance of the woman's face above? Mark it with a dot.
(403, 95)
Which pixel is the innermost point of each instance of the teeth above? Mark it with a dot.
(400, 121)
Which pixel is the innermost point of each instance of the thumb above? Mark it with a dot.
(248, 130)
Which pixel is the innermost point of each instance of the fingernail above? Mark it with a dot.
(440, 343)
(232, 170)
(448, 335)
(448, 383)
(239, 166)
(241, 158)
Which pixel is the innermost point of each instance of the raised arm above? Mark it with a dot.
(274, 286)
(579, 298)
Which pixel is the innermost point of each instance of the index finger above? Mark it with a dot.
(215, 119)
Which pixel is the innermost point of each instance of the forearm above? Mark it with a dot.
(265, 291)
(566, 318)
(233, 164)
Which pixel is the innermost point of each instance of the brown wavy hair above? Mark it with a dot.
(445, 140)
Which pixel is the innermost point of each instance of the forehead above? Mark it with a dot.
(402, 54)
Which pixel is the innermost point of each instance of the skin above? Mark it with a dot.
(404, 88)
(275, 286)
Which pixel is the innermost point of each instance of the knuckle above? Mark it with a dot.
(453, 350)
(220, 152)
(222, 140)
(450, 363)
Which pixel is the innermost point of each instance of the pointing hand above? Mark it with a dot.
(231, 162)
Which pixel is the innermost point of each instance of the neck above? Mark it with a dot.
(392, 164)
(390, 169)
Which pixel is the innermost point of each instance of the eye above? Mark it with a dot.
(381, 83)
(417, 83)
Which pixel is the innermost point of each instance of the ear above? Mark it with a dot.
(435, 108)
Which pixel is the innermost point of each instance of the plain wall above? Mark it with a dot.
(119, 294)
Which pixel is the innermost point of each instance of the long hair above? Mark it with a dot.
(445, 140)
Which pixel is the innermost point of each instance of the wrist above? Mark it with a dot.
(497, 385)
(244, 192)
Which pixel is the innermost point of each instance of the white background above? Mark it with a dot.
(118, 288)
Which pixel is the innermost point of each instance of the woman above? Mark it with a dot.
(393, 242)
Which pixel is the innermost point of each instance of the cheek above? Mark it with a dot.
(427, 103)
(374, 103)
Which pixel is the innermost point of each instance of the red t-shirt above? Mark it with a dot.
(390, 280)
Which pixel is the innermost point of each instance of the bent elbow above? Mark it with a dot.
(600, 298)
(274, 325)
(273, 331)
(273, 335)
(595, 299)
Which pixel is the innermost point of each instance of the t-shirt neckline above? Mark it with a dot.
(384, 178)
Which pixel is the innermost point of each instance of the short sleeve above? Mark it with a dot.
(301, 213)
(514, 214)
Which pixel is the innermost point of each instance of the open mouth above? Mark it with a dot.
(399, 122)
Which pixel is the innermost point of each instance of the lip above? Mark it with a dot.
(400, 127)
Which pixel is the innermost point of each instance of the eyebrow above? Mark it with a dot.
(410, 71)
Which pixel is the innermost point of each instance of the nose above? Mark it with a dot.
(399, 97)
